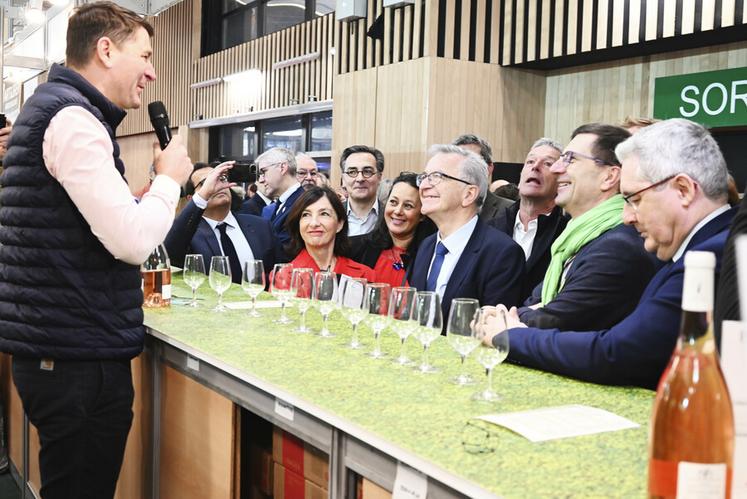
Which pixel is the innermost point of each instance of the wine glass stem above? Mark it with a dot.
(254, 305)
(425, 355)
(464, 374)
(324, 323)
(377, 337)
(490, 379)
(194, 297)
(303, 320)
(282, 311)
(354, 340)
(220, 300)
(402, 348)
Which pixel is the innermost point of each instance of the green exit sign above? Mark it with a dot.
(713, 98)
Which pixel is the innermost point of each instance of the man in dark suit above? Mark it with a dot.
(207, 226)
(675, 188)
(465, 258)
(255, 204)
(276, 167)
(493, 205)
(534, 221)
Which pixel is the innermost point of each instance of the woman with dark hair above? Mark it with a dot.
(391, 247)
(318, 228)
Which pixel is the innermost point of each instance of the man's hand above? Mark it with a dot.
(216, 181)
(4, 135)
(498, 320)
(173, 161)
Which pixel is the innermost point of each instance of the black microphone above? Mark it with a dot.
(159, 118)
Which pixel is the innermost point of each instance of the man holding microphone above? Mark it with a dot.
(72, 240)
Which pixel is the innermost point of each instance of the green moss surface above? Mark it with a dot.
(426, 414)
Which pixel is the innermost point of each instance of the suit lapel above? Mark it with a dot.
(420, 269)
(464, 265)
(248, 231)
(208, 236)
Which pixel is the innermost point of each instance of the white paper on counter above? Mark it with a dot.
(551, 423)
(246, 305)
(734, 366)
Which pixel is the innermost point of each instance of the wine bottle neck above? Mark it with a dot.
(694, 325)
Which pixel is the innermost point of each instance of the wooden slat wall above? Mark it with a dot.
(172, 58)
(611, 91)
(410, 32)
(276, 88)
(536, 30)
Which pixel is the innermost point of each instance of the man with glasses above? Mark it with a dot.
(674, 182)
(307, 172)
(361, 174)
(207, 226)
(276, 167)
(588, 284)
(465, 258)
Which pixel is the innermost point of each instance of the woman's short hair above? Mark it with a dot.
(293, 223)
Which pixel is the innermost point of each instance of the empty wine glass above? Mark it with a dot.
(253, 282)
(194, 274)
(302, 286)
(325, 296)
(220, 279)
(459, 334)
(352, 291)
(401, 306)
(489, 356)
(428, 320)
(376, 305)
(280, 287)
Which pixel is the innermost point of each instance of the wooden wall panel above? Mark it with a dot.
(609, 92)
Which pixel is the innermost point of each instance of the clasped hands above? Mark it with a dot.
(495, 320)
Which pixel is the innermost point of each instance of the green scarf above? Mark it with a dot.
(579, 232)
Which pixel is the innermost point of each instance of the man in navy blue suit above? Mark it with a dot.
(674, 182)
(276, 167)
(207, 226)
(466, 258)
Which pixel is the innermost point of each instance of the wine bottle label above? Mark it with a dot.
(701, 481)
(166, 291)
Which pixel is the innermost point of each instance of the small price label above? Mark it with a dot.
(193, 363)
(409, 484)
(284, 409)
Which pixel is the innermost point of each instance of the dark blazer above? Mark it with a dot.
(727, 292)
(549, 228)
(635, 351)
(252, 206)
(491, 269)
(366, 248)
(600, 289)
(493, 206)
(192, 234)
(282, 237)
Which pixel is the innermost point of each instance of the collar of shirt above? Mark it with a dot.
(532, 225)
(457, 241)
(374, 209)
(263, 198)
(230, 220)
(288, 193)
(700, 225)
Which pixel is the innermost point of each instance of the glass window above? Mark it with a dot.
(239, 26)
(280, 14)
(324, 7)
(237, 141)
(321, 131)
(283, 132)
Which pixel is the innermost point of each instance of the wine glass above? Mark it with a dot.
(376, 304)
(220, 279)
(253, 282)
(325, 296)
(302, 287)
(401, 306)
(352, 291)
(428, 321)
(489, 356)
(280, 282)
(459, 334)
(194, 274)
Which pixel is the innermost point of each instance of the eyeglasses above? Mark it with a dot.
(307, 173)
(634, 204)
(367, 172)
(261, 172)
(568, 157)
(435, 178)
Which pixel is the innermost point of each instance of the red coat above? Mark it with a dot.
(344, 266)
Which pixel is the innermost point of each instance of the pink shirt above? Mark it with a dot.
(78, 153)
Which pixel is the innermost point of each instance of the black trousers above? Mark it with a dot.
(83, 412)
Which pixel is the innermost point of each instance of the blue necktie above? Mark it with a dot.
(441, 252)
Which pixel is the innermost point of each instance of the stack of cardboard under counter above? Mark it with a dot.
(299, 470)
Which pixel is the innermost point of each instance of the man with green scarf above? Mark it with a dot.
(598, 267)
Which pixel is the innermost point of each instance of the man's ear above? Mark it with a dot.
(470, 195)
(611, 178)
(685, 187)
(104, 48)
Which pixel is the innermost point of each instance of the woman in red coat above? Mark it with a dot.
(318, 228)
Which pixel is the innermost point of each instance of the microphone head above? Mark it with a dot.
(157, 113)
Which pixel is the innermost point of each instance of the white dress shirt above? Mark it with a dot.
(455, 243)
(77, 152)
(525, 238)
(698, 226)
(284, 197)
(358, 226)
(233, 231)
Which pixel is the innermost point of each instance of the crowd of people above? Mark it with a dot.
(583, 259)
